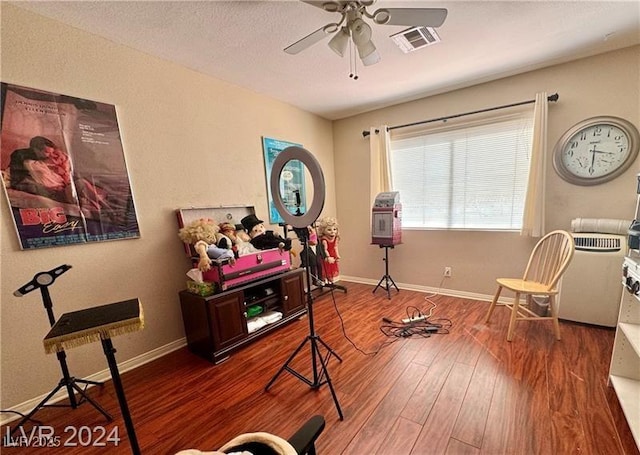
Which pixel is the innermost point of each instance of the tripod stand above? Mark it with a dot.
(320, 372)
(43, 280)
(386, 277)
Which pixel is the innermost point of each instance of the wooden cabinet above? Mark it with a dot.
(226, 322)
(219, 324)
(292, 293)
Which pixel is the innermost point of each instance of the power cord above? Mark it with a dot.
(344, 332)
(417, 323)
(424, 328)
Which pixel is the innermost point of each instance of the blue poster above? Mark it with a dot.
(291, 180)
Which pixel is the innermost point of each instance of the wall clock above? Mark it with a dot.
(596, 150)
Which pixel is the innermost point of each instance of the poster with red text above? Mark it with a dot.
(63, 169)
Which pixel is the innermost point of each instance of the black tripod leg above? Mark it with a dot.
(109, 351)
(38, 407)
(95, 405)
(286, 364)
(379, 284)
(325, 372)
(86, 381)
(331, 351)
(67, 380)
(394, 284)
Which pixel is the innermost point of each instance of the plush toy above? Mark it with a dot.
(329, 239)
(201, 234)
(261, 238)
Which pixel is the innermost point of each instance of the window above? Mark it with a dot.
(472, 176)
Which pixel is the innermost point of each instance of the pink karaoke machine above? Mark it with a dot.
(246, 268)
(386, 219)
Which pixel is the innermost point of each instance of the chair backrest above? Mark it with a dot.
(549, 259)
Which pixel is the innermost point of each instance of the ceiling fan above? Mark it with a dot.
(353, 26)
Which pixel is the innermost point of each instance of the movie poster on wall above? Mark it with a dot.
(63, 169)
(292, 177)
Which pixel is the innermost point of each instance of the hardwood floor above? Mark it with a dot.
(466, 392)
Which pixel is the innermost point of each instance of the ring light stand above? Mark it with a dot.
(300, 222)
(42, 281)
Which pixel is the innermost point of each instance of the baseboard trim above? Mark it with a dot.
(428, 289)
(101, 376)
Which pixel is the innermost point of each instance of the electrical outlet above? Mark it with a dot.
(447, 271)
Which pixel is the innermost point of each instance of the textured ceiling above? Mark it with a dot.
(242, 42)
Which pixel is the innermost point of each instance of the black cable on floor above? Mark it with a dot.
(424, 328)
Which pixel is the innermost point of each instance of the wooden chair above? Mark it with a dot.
(548, 261)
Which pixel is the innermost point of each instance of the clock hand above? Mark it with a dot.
(593, 159)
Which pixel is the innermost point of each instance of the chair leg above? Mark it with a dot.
(514, 314)
(303, 441)
(493, 304)
(554, 315)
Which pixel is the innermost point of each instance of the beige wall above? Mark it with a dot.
(189, 140)
(603, 85)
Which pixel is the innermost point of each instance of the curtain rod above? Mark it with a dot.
(553, 97)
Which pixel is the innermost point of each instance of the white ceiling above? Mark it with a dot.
(242, 42)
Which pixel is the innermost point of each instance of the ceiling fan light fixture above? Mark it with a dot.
(339, 42)
(360, 31)
(368, 53)
(371, 59)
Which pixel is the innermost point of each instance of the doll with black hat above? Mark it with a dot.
(261, 238)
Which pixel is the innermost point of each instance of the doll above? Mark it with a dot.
(235, 236)
(329, 239)
(226, 237)
(261, 238)
(201, 234)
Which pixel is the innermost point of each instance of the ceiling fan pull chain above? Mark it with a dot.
(350, 59)
(353, 62)
(355, 66)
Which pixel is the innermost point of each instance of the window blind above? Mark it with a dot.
(472, 176)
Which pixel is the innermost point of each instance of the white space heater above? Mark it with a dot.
(591, 288)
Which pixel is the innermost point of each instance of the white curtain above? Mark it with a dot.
(533, 217)
(380, 176)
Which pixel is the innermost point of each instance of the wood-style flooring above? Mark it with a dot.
(466, 392)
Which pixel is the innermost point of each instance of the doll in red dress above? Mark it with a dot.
(329, 239)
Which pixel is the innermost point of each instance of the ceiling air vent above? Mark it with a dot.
(415, 38)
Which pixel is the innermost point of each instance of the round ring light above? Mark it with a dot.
(317, 177)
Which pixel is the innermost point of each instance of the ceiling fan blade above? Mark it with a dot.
(316, 3)
(327, 5)
(307, 41)
(428, 17)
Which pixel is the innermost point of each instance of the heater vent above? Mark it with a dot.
(415, 38)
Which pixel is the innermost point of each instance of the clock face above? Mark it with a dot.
(596, 151)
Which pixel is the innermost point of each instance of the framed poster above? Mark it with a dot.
(291, 180)
(63, 169)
